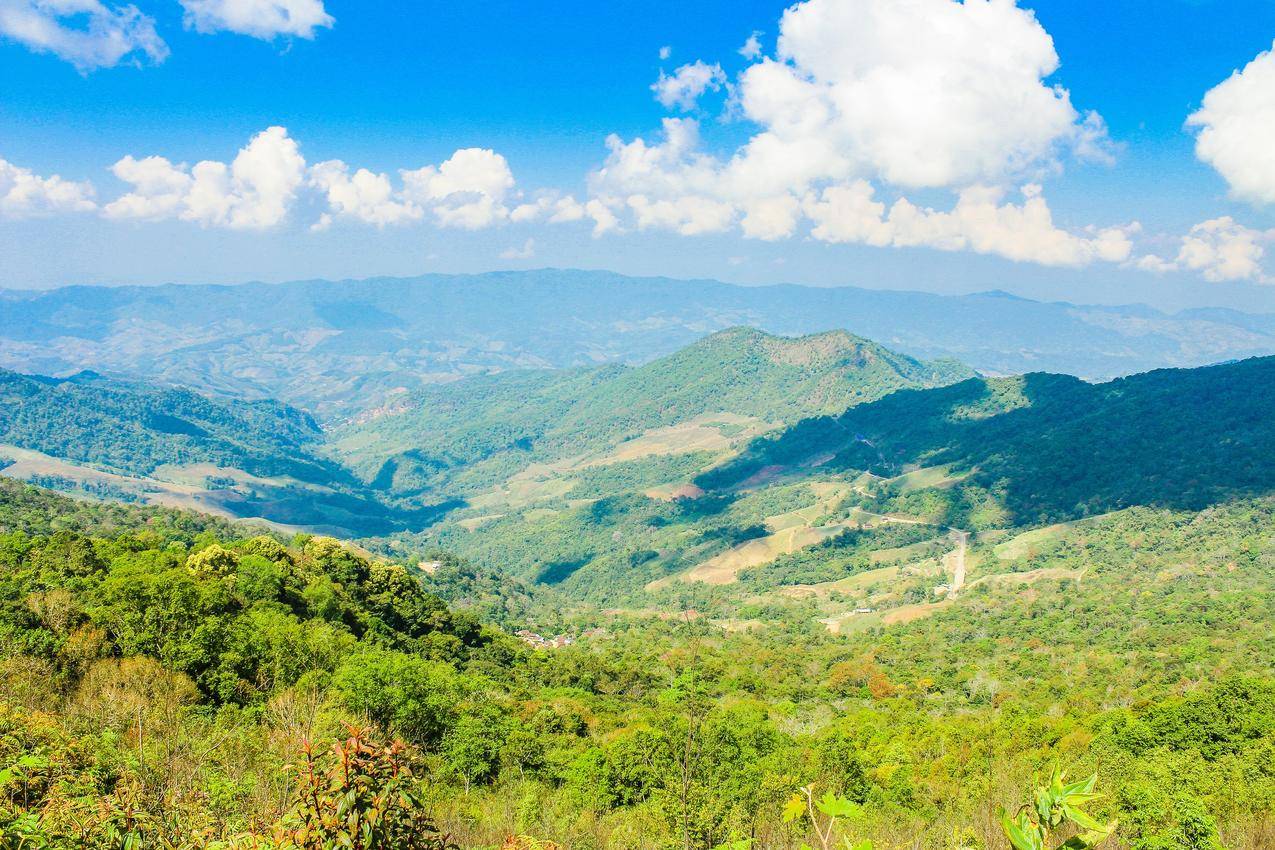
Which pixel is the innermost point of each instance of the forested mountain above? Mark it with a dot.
(812, 502)
(757, 566)
(134, 428)
(134, 442)
(457, 437)
(1050, 447)
(340, 348)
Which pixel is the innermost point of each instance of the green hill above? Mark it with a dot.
(1051, 447)
(127, 441)
(818, 501)
(473, 433)
(134, 428)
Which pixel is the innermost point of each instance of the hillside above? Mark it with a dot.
(1049, 447)
(132, 442)
(472, 434)
(341, 348)
(822, 500)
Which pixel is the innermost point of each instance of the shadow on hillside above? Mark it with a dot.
(1051, 447)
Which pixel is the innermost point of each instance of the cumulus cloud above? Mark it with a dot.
(752, 46)
(1236, 125)
(684, 87)
(602, 211)
(24, 194)
(665, 52)
(911, 94)
(1220, 250)
(264, 19)
(87, 33)
(551, 207)
(980, 222)
(673, 185)
(254, 191)
(364, 195)
(257, 190)
(921, 93)
(467, 191)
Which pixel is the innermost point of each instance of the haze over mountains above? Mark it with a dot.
(337, 349)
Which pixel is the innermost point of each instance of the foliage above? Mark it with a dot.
(361, 795)
(1057, 804)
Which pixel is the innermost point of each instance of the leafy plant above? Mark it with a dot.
(823, 815)
(361, 795)
(1057, 804)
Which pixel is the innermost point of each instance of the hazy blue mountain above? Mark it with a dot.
(338, 348)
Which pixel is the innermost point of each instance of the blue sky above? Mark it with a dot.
(403, 87)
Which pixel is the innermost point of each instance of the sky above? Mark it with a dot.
(1062, 149)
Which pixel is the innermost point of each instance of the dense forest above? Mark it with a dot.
(174, 681)
(1053, 447)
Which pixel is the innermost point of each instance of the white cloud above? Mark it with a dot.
(752, 46)
(689, 215)
(920, 93)
(526, 252)
(258, 189)
(674, 185)
(927, 94)
(24, 194)
(87, 33)
(980, 222)
(1237, 130)
(264, 19)
(684, 87)
(364, 195)
(1222, 250)
(1154, 264)
(467, 191)
(603, 214)
(254, 191)
(665, 52)
(551, 207)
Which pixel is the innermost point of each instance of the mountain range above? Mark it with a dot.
(338, 349)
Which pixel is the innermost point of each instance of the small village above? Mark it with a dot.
(557, 641)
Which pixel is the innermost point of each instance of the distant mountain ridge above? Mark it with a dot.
(402, 467)
(341, 348)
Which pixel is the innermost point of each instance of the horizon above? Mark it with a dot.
(1164, 309)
